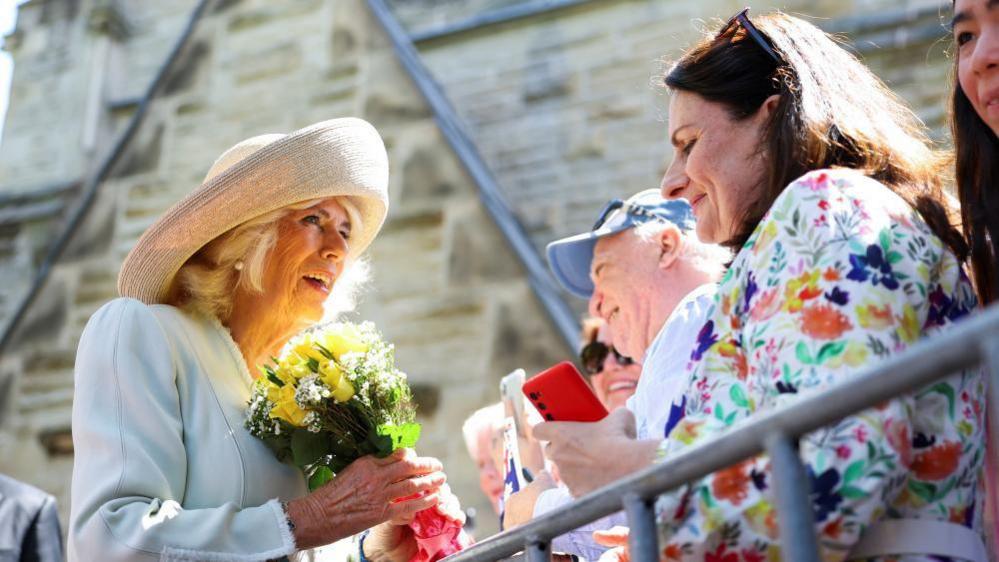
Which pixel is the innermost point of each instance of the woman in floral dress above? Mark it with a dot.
(797, 157)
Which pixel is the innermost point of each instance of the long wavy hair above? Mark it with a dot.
(832, 112)
(976, 154)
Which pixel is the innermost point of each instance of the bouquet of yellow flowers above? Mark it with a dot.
(332, 397)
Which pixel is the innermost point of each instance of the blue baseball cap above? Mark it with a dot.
(570, 258)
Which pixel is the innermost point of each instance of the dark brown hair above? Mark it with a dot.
(832, 112)
(976, 150)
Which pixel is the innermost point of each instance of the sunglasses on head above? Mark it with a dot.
(742, 19)
(593, 355)
(618, 204)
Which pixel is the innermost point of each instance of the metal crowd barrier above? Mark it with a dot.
(971, 343)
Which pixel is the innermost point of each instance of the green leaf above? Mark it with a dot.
(924, 490)
(871, 451)
(894, 257)
(801, 351)
(403, 436)
(852, 493)
(321, 476)
(720, 412)
(854, 471)
(885, 240)
(381, 444)
(706, 497)
(738, 396)
(326, 353)
(308, 447)
(313, 364)
(272, 376)
(830, 350)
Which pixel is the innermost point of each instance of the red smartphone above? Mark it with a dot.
(561, 394)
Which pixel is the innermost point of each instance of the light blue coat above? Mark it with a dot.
(164, 468)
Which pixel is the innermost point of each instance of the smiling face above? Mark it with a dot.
(307, 257)
(976, 36)
(624, 270)
(616, 382)
(716, 166)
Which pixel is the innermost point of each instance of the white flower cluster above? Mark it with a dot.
(311, 392)
(258, 419)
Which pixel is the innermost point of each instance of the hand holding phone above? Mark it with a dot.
(561, 394)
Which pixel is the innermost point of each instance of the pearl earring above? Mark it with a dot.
(238, 266)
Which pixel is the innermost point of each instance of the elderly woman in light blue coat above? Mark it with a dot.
(164, 467)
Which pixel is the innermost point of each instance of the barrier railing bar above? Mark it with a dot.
(794, 510)
(643, 540)
(925, 362)
(538, 551)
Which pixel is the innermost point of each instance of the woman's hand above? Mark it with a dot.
(592, 455)
(617, 539)
(393, 541)
(363, 496)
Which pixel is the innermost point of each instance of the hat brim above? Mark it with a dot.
(570, 260)
(335, 158)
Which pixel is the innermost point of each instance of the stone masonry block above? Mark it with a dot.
(521, 336)
(476, 251)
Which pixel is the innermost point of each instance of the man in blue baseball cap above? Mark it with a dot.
(652, 281)
(640, 260)
(570, 258)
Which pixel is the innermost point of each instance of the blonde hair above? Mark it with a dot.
(207, 280)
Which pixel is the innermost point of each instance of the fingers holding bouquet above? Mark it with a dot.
(336, 406)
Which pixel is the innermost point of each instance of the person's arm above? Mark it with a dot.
(130, 470)
(44, 540)
(836, 278)
(579, 541)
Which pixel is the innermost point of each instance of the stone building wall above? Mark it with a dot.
(562, 104)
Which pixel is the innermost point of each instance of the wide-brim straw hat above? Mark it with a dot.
(335, 158)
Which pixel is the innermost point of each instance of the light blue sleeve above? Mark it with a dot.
(578, 541)
(131, 466)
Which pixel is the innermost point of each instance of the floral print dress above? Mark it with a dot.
(840, 274)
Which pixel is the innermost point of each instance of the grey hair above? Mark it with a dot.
(206, 281)
(710, 258)
(486, 418)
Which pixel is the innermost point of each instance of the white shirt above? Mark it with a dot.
(660, 385)
(665, 362)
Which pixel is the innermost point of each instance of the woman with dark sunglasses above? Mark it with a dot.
(797, 157)
(613, 376)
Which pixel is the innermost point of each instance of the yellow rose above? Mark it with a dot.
(343, 391)
(306, 349)
(285, 406)
(330, 374)
(345, 339)
(294, 367)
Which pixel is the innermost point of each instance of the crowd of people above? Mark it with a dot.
(802, 232)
